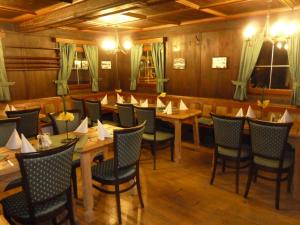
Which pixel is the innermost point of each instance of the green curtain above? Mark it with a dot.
(250, 52)
(4, 84)
(294, 62)
(67, 54)
(136, 54)
(91, 53)
(158, 56)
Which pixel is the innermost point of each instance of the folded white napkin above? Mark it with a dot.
(240, 113)
(14, 141)
(133, 100)
(104, 100)
(250, 113)
(272, 117)
(182, 106)
(102, 132)
(120, 99)
(145, 104)
(7, 108)
(286, 118)
(83, 127)
(168, 109)
(12, 108)
(26, 147)
(159, 103)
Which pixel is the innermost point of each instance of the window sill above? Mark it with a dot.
(79, 86)
(281, 92)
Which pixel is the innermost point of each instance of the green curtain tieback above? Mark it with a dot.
(239, 83)
(161, 80)
(6, 84)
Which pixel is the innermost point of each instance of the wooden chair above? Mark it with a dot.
(271, 153)
(124, 167)
(228, 133)
(29, 121)
(46, 182)
(7, 126)
(126, 115)
(151, 135)
(78, 104)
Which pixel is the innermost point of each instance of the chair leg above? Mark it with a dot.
(74, 182)
(255, 172)
(9, 220)
(277, 198)
(213, 174)
(172, 150)
(237, 176)
(249, 181)
(223, 165)
(153, 150)
(290, 179)
(71, 209)
(118, 201)
(138, 186)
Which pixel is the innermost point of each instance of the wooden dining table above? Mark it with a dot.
(177, 118)
(86, 149)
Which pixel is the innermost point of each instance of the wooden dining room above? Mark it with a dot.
(152, 112)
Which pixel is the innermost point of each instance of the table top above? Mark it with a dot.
(177, 114)
(87, 142)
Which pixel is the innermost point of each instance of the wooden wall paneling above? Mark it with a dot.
(124, 70)
(107, 82)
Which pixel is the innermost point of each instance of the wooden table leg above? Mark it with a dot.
(177, 142)
(86, 175)
(196, 131)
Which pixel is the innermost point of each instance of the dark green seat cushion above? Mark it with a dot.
(14, 184)
(160, 136)
(233, 152)
(205, 121)
(16, 206)
(105, 171)
(287, 162)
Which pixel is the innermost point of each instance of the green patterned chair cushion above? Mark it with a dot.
(14, 184)
(205, 121)
(287, 162)
(105, 171)
(16, 206)
(160, 136)
(233, 152)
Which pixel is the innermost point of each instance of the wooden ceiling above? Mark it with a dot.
(130, 15)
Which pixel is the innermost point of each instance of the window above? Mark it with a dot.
(272, 69)
(80, 73)
(147, 71)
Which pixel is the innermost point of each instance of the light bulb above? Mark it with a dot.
(249, 31)
(286, 46)
(127, 44)
(279, 45)
(108, 44)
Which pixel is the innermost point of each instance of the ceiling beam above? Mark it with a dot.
(221, 3)
(135, 15)
(16, 9)
(165, 21)
(195, 6)
(73, 12)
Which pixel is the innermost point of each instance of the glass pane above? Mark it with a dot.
(147, 71)
(280, 56)
(260, 77)
(265, 54)
(80, 73)
(280, 78)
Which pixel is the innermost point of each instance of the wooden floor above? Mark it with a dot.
(180, 194)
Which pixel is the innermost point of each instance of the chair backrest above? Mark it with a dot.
(93, 110)
(59, 126)
(268, 139)
(29, 121)
(126, 115)
(7, 126)
(228, 131)
(46, 174)
(78, 104)
(149, 115)
(127, 144)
